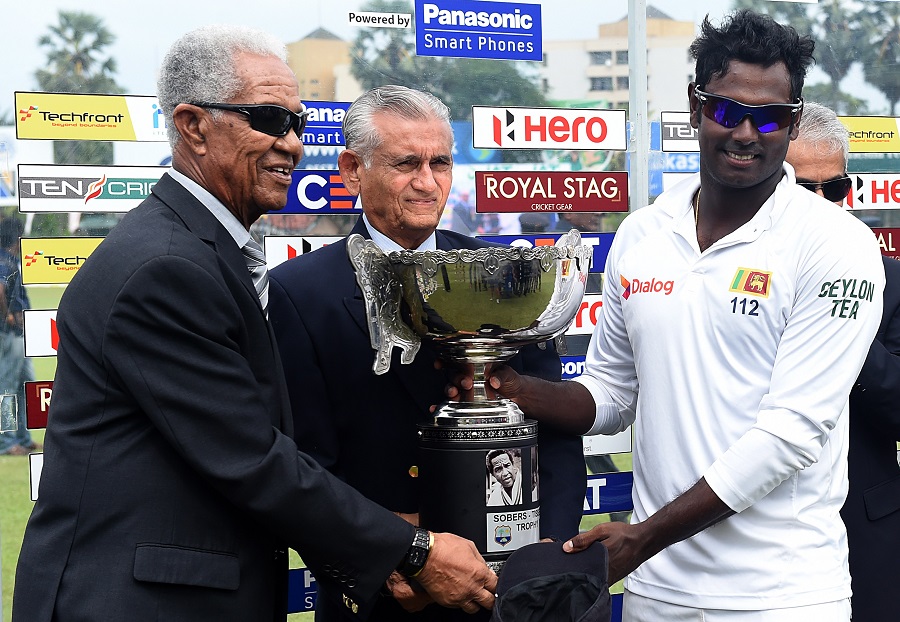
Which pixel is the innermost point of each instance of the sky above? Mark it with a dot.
(144, 31)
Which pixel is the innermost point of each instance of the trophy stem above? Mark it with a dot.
(479, 392)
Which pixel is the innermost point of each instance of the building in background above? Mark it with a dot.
(597, 69)
(321, 62)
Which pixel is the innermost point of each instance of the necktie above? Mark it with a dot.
(256, 264)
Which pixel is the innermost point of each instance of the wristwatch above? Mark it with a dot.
(417, 555)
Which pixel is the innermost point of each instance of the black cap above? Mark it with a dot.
(541, 583)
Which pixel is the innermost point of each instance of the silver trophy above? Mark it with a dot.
(478, 462)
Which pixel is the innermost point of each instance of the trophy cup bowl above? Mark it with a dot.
(474, 307)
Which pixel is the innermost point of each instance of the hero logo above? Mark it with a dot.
(542, 127)
(629, 288)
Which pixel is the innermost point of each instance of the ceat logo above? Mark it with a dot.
(26, 113)
(33, 257)
(95, 189)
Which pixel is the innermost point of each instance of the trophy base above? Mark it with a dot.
(459, 494)
(486, 413)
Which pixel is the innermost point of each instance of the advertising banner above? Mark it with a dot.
(676, 133)
(887, 242)
(872, 134)
(41, 336)
(537, 191)
(318, 192)
(64, 188)
(323, 124)
(280, 248)
(465, 29)
(600, 241)
(874, 191)
(54, 260)
(70, 116)
(548, 128)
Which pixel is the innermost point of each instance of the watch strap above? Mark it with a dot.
(417, 555)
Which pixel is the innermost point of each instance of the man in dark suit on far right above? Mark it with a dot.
(872, 510)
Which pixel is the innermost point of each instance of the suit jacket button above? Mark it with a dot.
(351, 583)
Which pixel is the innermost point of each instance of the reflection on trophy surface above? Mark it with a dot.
(474, 307)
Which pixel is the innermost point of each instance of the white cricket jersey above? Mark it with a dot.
(735, 365)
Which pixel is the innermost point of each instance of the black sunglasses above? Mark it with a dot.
(834, 189)
(730, 113)
(267, 118)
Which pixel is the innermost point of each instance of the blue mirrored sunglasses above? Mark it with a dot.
(730, 113)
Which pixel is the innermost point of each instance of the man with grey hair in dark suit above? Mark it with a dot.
(171, 485)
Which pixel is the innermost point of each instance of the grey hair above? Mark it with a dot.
(820, 127)
(359, 131)
(199, 67)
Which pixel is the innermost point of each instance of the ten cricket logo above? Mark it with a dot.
(86, 188)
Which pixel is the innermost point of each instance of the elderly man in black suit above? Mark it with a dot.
(361, 426)
(872, 510)
(171, 484)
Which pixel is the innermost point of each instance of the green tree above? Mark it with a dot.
(77, 63)
(837, 28)
(883, 52)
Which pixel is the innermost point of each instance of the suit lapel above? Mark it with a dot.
(201, 222)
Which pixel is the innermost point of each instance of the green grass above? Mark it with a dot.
(15, 507)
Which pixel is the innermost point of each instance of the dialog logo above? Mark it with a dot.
(752, 282)
(653, 286)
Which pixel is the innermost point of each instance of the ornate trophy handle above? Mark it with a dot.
(381, 291)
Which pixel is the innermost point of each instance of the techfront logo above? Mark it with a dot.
(31, 258)
(26, 113)
(72, 118)
(547, 128)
